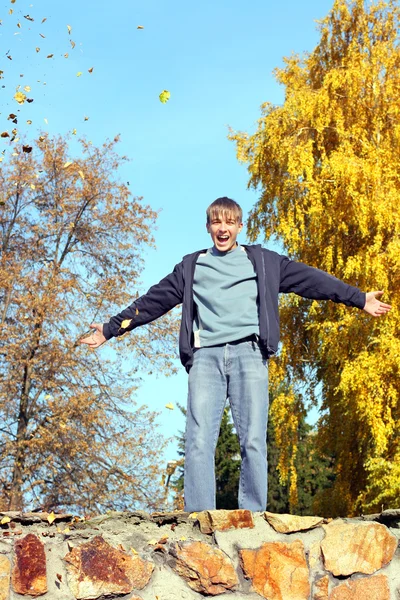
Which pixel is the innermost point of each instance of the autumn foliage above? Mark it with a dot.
(327, 165)
(72, 244)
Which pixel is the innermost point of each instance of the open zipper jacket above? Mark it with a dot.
(275, 274)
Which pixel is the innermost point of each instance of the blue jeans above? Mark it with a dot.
(237, 371)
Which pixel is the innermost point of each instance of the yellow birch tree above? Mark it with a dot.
(327, 164)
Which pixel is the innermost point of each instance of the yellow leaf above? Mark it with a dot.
(67, 530)
(81, 173)
(51, 517)
(140, 27)
(20, 97)
(37, 49)
(164, 96)
(29, 122)
(86, 119)
(63, 425)
(66, 55)
(152, 542)
(125, 323)
(133, 551)
(5, 520)
(10, 12)
(33, 186)
(74, 132)
(79, 73)
(193, 515)
(69, 28)
(19, 25)
(67, 164)
(72, 43)
(170, 406)
(182, 539)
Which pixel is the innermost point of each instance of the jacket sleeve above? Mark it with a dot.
(157, 301)
(309, 282)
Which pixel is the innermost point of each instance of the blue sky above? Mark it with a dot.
(215, 57)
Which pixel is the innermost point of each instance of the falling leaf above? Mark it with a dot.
(32, 186)
(37, 49)
(43, 20)
(27, 88)
(20, 97)
(81, 173)
(67, 164)
(140, 27)
(46, 121)
(41, 35)
(10, 12)
(29, 100)
(12, 1)
(66, 55)
(1, 160)
(74, 132)
(51, 517)
(9, 57)
(72, 43)
(5, 520)
(19, 25)
(69, 29)
(11, 117)
(29, 122)
(27, 149)
(50, 56)
(5, 134)
(164, 96)
(28, 18)
(79, 73)
(170, 406)
(86, 119)
(125, 323)
(90, 70)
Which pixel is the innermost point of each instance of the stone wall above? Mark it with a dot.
(182, 556)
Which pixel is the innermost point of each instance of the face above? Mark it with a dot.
(224, 231)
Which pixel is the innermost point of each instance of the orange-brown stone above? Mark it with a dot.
(321, 588)
(221, 520)
(357, 547)
(371, 588)
(205, 568)
(278, 570)
(96, 569)
(29, 572)
(291, 523)
(5, 570)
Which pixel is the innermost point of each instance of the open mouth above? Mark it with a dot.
(222, 238)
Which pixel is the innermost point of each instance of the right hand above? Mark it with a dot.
(97, 338)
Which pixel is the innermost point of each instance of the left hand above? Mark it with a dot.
(375, 307)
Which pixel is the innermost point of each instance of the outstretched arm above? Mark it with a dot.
(97, 338)
(373, 306)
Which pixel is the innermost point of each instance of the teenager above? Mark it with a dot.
(229, 329)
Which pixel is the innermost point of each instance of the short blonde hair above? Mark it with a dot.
(225, 207)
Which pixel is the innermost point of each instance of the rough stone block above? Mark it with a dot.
(221, 520)
(321, 588)
(29, 572)
(205, 568)
(371, 588)
(278, 570)
(357, 547)
(97, 569)
(5, 571)
(291, 523)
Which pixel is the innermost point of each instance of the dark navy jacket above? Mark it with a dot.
(275, 273)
